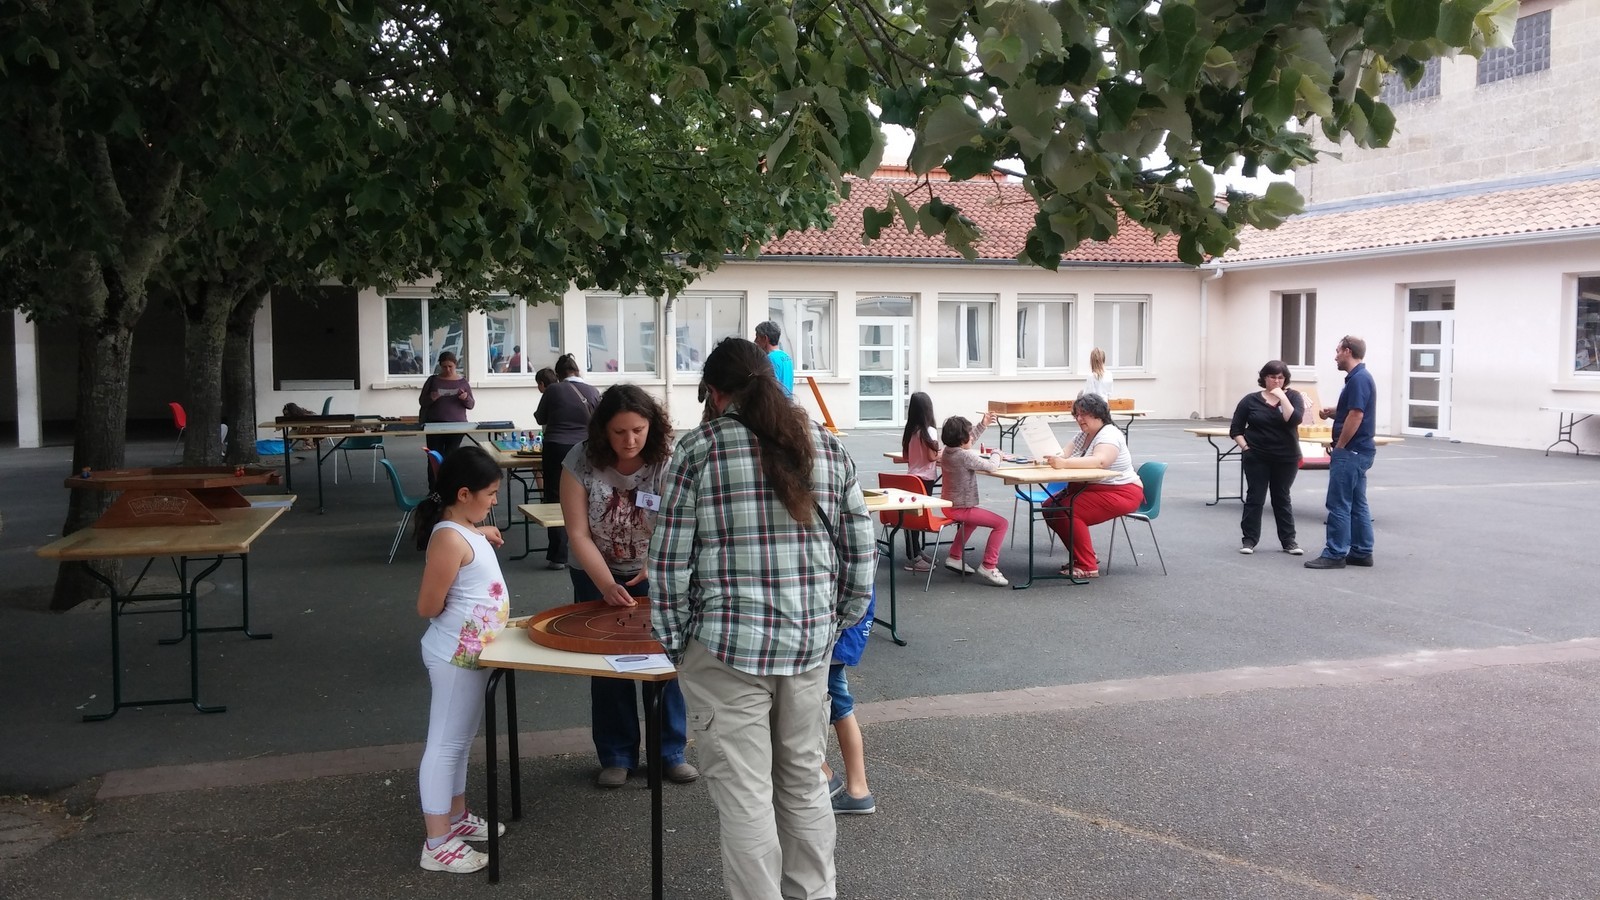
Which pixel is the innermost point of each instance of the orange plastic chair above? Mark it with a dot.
(180, 420)
(931, 521)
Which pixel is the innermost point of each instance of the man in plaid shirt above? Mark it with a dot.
(763, 551)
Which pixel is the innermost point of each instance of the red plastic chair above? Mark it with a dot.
(180, 420)
(435, 459)
(931, 521)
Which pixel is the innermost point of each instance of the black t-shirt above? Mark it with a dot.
(1264, 427)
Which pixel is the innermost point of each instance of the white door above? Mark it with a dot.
(884, 386)
(1430, 340)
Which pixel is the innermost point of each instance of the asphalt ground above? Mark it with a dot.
(1408, 782)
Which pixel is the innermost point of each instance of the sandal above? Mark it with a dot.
(1079, 574)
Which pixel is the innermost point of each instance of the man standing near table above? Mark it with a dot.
(763, 550)
(1349, 540)
(767, 336)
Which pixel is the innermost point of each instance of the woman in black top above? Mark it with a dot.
(564, 411)
(1266, 427)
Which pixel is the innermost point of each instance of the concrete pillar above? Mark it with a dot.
(30, 424)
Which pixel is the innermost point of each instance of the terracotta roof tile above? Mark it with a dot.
(1003, 210)
(1546, 208)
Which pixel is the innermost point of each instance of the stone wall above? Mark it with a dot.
(1531, 124)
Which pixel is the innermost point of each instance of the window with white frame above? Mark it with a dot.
(1122, 329)
(523, 336)
(622, 334)
(421, 328)
(807, 324)
(703, 319)
(1297, 327)
(966, 331)
(1586, 342)
(1044, 331)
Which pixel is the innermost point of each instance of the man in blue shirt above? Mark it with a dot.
(767, 335)
(1349, 540)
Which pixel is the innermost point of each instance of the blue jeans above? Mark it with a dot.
(614, 703)
(1349, 519)
(840, 703)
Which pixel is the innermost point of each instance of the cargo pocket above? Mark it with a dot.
(704, 736)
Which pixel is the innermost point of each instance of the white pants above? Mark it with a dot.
(761, 741)
(454, 715)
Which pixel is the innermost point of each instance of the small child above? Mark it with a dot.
(919, 444)
(464, 597)
(850, 794)
(959, 461)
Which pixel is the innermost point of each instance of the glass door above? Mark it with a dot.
(884, 387)
(1430, 341)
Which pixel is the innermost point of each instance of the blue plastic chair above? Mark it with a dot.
(1035, 495)
(373, 445)
(407, 505)
(1152, 474)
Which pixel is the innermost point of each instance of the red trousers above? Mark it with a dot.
(1091, 504)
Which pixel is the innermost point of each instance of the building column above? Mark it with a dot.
(30, 425)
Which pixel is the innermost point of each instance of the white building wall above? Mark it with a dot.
(1167, 385)
(1513, 345)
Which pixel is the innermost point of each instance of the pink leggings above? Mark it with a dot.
(972, 518)
(1091, 505)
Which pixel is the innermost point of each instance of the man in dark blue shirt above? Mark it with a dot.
(1349, 540)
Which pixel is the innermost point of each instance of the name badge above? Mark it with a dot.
(647, 500)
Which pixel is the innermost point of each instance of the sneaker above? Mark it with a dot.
(846, 805)
(611, 777)
(956, 565)
(453, 856)
(1247, 549)
(682, 773)
(919, 565)
(835, 785)
(474, 828)
(1324, 562)
(1363, 561)
(1294, 550)
(992, 576)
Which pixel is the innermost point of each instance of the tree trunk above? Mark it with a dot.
(239, 378)
(205, 323)
(104, 354)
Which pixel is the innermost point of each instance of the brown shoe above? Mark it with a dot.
(682, 773)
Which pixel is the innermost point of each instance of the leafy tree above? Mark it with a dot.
(203, 151)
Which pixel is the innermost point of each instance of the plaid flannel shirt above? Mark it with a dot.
(731, 568)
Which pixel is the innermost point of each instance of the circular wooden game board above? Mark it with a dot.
(595, 627)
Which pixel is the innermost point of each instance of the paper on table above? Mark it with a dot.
(1040, 439)
(638, 662)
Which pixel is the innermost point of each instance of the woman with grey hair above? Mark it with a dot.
(1100, 445)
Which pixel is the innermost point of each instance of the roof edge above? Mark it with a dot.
(1494, 240)
(948, 261)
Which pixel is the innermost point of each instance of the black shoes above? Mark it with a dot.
(1326, 562)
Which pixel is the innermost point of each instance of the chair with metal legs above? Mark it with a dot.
(931, 521)
(406, 504)
(1151, 474)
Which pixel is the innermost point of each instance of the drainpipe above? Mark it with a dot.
(1205, 310)
(668, 328)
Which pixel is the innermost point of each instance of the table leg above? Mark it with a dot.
(894, 612)
(491, 812)
(244, 602)
(316, 450)
(192, 605)
(1565, 422)
(288, 456)
(1222, 454)
(1041, 511)
(653, 712)
(512, 750)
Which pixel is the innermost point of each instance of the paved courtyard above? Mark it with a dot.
(1242, 727)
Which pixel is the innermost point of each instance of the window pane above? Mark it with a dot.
(505, 332)
(702, 321)
(1044, 333)
(1308, 356)
(605, 345)
(807, 323)
(541, 343)
(949, 335)
(403, 319)
(1289, 341)
(1130, 334)
(639, 330)
(1426, 332)
(1586, 348)
(980, 334)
